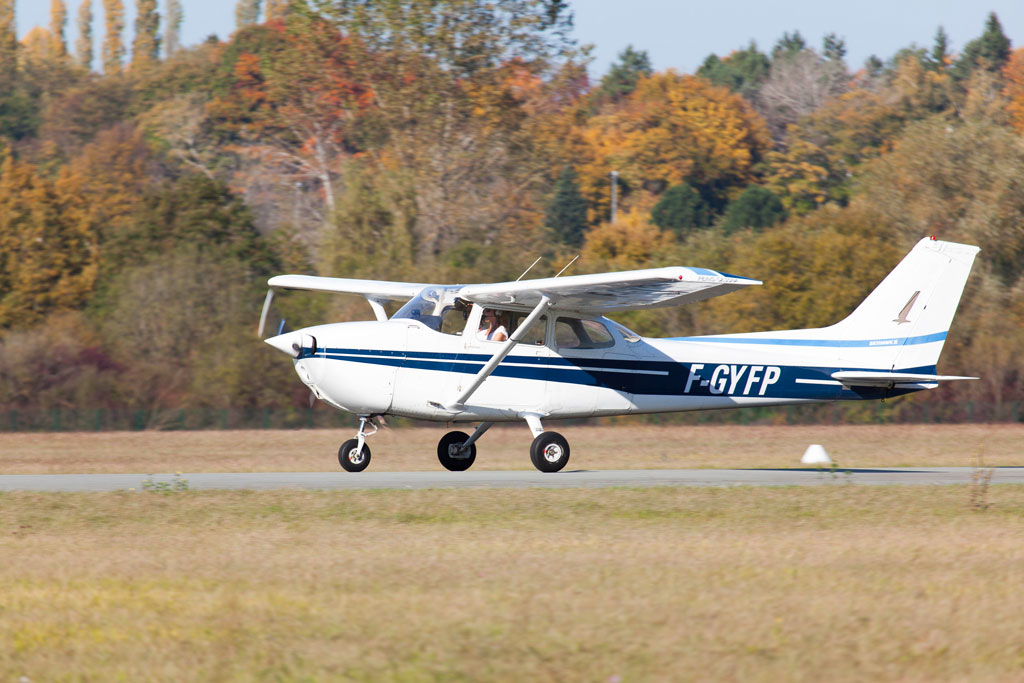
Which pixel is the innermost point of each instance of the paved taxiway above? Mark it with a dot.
(504, 479)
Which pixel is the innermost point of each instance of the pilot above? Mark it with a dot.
(491, 329)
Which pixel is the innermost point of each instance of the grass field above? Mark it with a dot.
(825, 583)
(838, 583)
(627, 446)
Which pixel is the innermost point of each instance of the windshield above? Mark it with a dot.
(428, 306)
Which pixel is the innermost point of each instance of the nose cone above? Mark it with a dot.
(290, 343)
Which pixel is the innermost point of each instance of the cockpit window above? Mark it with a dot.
(435, 306)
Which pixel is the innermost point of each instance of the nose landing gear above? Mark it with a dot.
(354, 454)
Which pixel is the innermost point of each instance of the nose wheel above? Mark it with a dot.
(354, 454)
(352, 458)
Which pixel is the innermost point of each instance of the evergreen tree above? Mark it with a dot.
(833, 48)
(991, 50)
(567, 212)
(247, 12)
(58, 21)
(83, 46)
(172, 34)
(874, 66)
(743, 71)
(146, 44)
(789, 45)
(757, 207)
(113, 43)
(938, 58)
(623, 75)
(681, 209)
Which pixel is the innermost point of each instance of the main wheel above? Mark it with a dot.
(549, 452)
(352, 460)
(449, 455)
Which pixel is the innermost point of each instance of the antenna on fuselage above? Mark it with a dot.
(567, 265)
(529, 269)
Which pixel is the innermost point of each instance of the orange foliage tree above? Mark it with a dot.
(1013, 77)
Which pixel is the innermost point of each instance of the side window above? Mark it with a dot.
(574, 333)
(535, 335)
(494, 325)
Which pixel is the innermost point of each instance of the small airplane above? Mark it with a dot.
(538, 350)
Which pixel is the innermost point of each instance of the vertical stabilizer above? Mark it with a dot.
(905, 320)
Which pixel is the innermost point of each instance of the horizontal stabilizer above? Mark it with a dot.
(855, 378)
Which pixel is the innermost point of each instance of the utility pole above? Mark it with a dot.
(615, 195)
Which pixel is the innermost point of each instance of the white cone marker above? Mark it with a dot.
(816, 455)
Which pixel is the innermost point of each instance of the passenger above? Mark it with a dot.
(491, 329)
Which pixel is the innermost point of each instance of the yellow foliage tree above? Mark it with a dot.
(823, 148)
(672, 129)
(630, 242)
(47, 255)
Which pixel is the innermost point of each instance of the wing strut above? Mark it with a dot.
(459, 403)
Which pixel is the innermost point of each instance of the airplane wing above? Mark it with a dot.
(606, 292)
(371, 289)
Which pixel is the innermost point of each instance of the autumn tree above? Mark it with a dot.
(630, 242)
(172, 34)
(83, 45)
(277, 9)
(824, 148)
(429, 67)
(674, 129)
(113, 42)
(8, 44)
(47, 254)
(146, 44)
(247, 12)
(1013, 76)
(58, 22)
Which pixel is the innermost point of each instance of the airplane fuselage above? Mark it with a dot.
(405, 368)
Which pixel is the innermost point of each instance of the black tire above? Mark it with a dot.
(351, 461)
(450, 460)
(549, 452)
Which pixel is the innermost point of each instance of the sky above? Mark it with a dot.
(678, 33)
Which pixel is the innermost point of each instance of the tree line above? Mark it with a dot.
(143, 207)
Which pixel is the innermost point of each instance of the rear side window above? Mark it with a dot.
(576, 333)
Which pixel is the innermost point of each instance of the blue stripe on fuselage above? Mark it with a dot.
(843, 343)
(653, 378)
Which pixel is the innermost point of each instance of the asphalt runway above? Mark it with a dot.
(895, 476)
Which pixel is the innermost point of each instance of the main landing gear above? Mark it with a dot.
(549, 451)
(456, 451)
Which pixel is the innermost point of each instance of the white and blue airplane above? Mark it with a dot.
(547, 352)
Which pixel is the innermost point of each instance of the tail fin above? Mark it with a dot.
(909, 313)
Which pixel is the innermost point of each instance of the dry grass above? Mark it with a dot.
(831, 583)
(628, 445)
